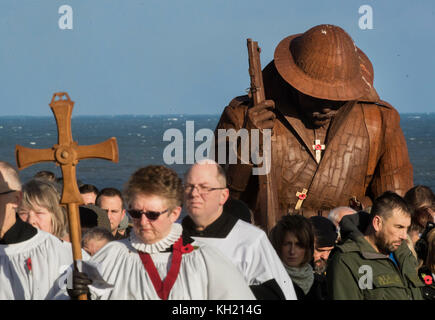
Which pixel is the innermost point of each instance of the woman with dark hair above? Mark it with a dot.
(293, 239)
(420, 196)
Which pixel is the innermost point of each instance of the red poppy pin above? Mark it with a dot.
(29, 264)
(187, 248)
(183, 249)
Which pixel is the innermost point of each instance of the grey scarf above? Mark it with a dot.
(303, 276)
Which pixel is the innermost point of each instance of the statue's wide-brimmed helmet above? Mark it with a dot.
(324, 63)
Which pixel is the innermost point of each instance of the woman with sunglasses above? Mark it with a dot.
(156, 250)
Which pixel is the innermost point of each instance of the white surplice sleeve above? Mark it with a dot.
(225, 282)
(265, 264)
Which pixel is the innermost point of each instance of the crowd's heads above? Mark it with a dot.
(96, 238)
(9, 179)
(336, 214)
(111, 200)
(154, 196)
(92, 216)
(325, 237)
(419, 196)
(205, 190)
(419, 220)
(390, 220)
(325, 231)
(10, 195)
(293, 239)
(40, 207)
(430, 259)
(45, 175)
(89, 193)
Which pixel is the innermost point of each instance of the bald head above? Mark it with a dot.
(207, 163)
(9, 179)
(336, 214)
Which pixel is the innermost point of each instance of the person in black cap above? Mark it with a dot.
(92, 216)
(325, 236)
(324, 241)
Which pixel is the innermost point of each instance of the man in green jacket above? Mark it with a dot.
(374, 261)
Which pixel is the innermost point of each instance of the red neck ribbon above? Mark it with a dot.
(163, 288)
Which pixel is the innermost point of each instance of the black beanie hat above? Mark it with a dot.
(325, 230)
(93, 216)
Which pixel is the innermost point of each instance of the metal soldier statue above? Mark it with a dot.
(334, 141)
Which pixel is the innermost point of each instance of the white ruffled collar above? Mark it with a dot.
(159, 246)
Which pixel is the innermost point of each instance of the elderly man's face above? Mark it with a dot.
(318, 111)
(200, 202)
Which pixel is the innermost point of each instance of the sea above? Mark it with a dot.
(141, 142)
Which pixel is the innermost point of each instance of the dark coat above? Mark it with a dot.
(316, 292)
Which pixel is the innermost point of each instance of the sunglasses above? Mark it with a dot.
(151, 215)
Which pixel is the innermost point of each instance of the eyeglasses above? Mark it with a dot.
(188, 188)
(7, 192)
(151, 215)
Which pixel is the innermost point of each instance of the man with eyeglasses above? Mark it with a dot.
(32, 262)
(247, 246)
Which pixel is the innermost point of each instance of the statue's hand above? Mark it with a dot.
(261, 116)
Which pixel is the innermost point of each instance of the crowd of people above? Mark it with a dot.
(339, 228)
(145, 248)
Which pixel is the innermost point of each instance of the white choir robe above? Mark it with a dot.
(248, 247)
(204, 274)
(51, 264)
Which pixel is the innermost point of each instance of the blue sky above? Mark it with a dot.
(189, 56)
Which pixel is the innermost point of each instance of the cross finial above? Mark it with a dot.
(301, 196)
(318, 148)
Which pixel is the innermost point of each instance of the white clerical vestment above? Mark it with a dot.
(248, 247)
(35, 269)
(203, 273)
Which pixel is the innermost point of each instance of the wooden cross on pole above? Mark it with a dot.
(67, 153)
(318, 148)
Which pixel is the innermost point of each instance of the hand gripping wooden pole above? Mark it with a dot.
(267, 191)
(67, 153)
